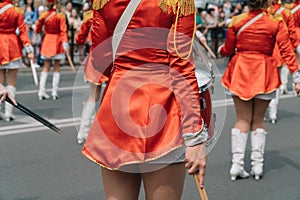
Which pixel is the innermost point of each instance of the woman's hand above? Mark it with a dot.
(297, 89)
(195, 160)
(30, 56)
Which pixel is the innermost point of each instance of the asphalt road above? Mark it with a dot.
(38, 164)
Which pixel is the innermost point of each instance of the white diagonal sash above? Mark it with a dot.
(4, 8)
(122, 25)
(254, 19)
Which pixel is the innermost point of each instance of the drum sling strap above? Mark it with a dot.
(4, 8)
(122, 25)
(254, 19)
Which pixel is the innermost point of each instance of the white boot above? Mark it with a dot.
(8, 116)
(42, 93)
(238, 147)
(273, 108)
(258, 141)
(87, 117)
(55, 83)
(284, 73)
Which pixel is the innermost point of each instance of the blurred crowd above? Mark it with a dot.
(33, 9)
(213, 19)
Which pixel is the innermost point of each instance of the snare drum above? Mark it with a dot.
(205, 88)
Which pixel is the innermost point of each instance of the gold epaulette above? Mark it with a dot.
(186, 7)
(87, 16)
(276, 17)
(42, 15)
(236, 19)
(98, 4)
(61, 15)
(289, 6)
(19, 10)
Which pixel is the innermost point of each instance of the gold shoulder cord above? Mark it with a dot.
(175, 30)
(98, 4)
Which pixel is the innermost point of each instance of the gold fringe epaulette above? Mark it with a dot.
(236, 19)
(289, 6)
(62, 15)
(42, 15)
(186, 7)
(98, 4)
(19, 10)
(87, 16)
(276, 17)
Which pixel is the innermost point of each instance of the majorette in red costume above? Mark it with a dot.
(11, 20)
(54, 46)
(144, 113)
(241, 77)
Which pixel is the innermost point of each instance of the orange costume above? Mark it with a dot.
(10, 20)
(56, 38)
(290, 22)
(151, 104)
(253, 70)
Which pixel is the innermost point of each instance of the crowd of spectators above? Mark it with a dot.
(213, 20)
(34, 8)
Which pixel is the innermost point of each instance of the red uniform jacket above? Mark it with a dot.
(152, 98)
(253, 70)
(55, 33)
(10, 20)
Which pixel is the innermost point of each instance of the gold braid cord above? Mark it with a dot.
(98, 4)
(186, 7)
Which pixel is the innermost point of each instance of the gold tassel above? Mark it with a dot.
(186, 7)
(279, 2)
(98, 4)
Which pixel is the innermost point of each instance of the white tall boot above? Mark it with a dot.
(87, 118)
(258, 141)
(284, 73)
(273, 108)
(238, 147)
(55, 83)
(42, 93)
(8, 116)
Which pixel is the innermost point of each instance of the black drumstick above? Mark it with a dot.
(35, 116)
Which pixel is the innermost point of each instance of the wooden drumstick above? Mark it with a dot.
(71, 63)
(209, 50)
(202, 191)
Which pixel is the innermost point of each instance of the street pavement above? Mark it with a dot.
(38, 164)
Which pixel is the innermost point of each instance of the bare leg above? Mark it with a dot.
(166, 183)
(12, 77)
(2, 76)
(244, 111)
(120, 185)
(259, 109)
(94, 92)
(56, 65)
(47, 64)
